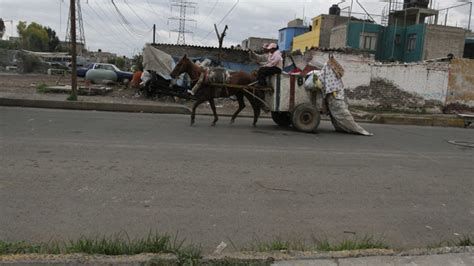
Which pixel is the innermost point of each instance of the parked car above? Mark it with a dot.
(121, 75)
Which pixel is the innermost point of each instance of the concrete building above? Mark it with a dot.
(469, 46)
(255, 43)
(286, 35)
(362, 35)
(407, 38)
(320, 33)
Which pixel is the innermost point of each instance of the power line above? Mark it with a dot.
(113, 26)
(127, 24)
(212, 10)
(144, 23)
(102, 34)
(223, 18)
(120, 23)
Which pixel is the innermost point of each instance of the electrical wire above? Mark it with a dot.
(144, 23)
(109, 18)
(126, 22)
(223, 18)
(113, 26)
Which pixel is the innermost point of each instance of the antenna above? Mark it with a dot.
(183, 6)
(80, 27)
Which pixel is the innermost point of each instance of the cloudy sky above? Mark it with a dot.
(127, 26)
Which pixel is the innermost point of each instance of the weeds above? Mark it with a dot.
(321, 245)
(42, 88)
(117, 244)
(72, 98)
(18, 248)
(465, 241)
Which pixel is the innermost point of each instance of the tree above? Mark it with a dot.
(2, 28)
(21, 27)
(34, 37)
(53, 40)
(119, 62)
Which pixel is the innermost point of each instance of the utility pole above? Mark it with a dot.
(72, 18)
(154, 33)
(220, 37)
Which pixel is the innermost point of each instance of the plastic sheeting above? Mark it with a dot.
(342, 118)
(158, 61)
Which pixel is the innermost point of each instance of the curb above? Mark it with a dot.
(421, 121)
(111, 107)
(389, 119)
(239, 258)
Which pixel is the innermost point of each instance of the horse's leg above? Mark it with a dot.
(256, 110)
(196, 104)
(213, 107)
(240, 100)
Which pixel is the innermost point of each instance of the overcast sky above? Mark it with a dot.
(125, 29)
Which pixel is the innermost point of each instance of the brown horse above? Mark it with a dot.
(208, 93)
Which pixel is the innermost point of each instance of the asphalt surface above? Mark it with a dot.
(68, 173)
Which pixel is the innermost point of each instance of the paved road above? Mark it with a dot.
(66, 173)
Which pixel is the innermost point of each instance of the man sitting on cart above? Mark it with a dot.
(272, 62)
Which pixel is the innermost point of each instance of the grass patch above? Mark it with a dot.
(42, 88)
(18, 248)
(366, 242)
(278, 244)
(116, 244)
(72, 98)
(465, 241)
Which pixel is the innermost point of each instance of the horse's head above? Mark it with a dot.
(184, 66)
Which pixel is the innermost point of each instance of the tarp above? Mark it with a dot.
(158, 61)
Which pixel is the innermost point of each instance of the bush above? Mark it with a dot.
(28, 63)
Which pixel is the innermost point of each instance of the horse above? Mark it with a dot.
(208, 93)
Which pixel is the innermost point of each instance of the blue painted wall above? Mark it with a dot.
(392, 48)
(392, 44)
(286, 35)
(417, 54)
(355, 30)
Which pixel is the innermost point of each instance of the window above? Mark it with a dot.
(398, 39)
(316, 23)
(368, 41)
(282, 36)
(411, 42)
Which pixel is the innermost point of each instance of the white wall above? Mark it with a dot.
(429, 81)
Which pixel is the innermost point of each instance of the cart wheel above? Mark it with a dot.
(282, 119)
(306, 118)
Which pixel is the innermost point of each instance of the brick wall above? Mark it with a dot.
(441, 41)
(338, 37)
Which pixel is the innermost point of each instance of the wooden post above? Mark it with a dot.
(220, 37)
(72, 19)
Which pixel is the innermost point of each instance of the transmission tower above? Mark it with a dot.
(81, 39)
(183, 6)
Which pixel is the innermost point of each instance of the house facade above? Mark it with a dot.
(287, 34)
(320, 32)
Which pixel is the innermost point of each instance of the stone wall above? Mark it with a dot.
(369, 84)
(460, 96)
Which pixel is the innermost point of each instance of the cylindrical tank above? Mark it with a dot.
(416, 3)
(99, 75)
(335, 10)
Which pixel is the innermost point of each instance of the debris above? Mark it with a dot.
(220, 248)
